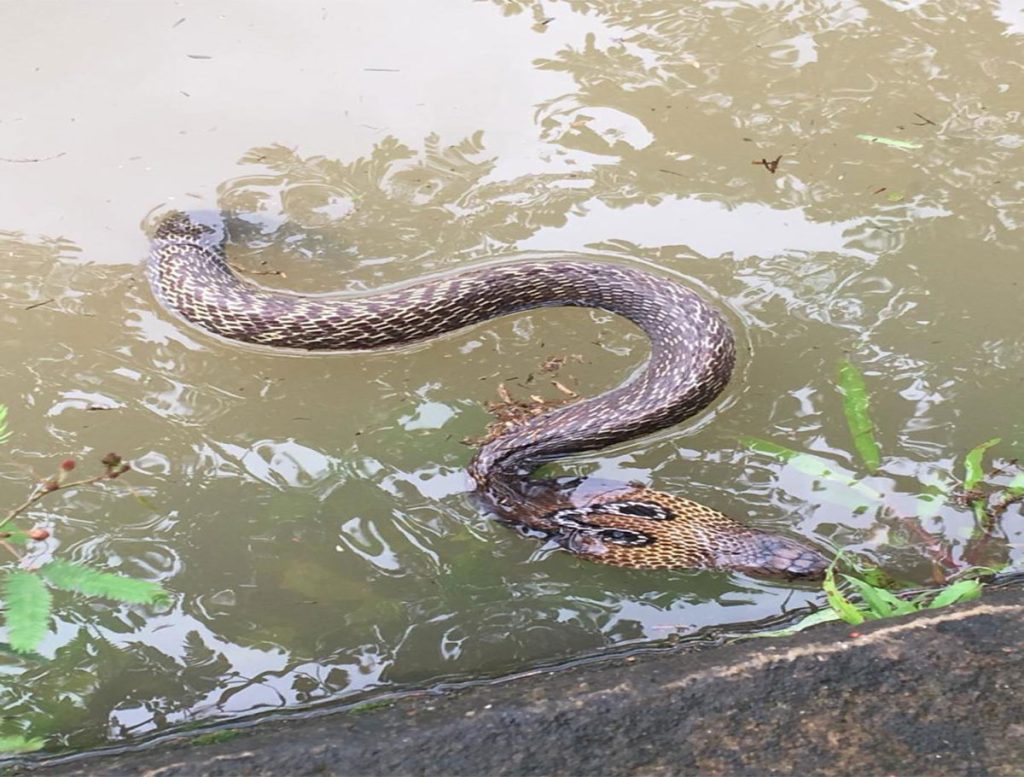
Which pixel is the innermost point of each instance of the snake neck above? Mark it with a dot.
(692, 348)
(691, 360)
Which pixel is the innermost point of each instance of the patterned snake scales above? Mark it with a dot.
(692, 355)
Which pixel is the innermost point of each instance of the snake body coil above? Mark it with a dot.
(692, 356)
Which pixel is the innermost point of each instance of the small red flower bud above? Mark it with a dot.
(38, 534)
(67, 465)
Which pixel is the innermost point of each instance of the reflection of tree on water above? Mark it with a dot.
(400, 204)
(801, 79)
(679, 102)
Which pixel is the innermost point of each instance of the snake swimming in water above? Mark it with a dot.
(692, 356)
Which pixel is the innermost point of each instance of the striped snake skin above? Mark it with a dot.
(692, 356)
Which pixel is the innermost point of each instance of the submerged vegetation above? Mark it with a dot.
(865, 593)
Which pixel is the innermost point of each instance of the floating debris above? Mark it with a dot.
(907, 144)
(771, 166)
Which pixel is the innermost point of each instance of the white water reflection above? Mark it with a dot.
(708, 227)
(283, 464)
(1011, 13)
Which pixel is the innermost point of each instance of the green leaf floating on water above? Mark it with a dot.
(890, 141)
(74, 577)
(4, 432)
(974, 473)
(28, 602)
(856, 406)
(20, 744)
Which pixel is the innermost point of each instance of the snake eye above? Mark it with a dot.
(626, 537)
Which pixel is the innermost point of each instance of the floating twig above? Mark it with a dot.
(771, 166)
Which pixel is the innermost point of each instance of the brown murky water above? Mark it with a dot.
(310, 514)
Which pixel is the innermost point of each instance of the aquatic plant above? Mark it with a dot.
(863, 593)
(28, 578)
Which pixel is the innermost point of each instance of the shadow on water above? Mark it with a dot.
(312, 515)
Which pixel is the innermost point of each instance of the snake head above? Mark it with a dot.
(648, 529)
(203, 228)
(773, 556)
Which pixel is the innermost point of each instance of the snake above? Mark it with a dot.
(692, 355)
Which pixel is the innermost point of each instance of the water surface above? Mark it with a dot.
(310, 515)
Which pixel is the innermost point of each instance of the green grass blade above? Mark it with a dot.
(974, 473)
(843, 607)
(895, 143)
(856, 406)
(881, 602)
(81, 579)
(877, 606)
(813, 619)
(961, 591)
(4, 432)
(20, 744)
(28, 602)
